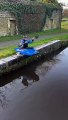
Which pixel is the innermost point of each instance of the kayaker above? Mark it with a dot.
(25, 41)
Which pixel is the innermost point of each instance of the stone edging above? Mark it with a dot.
(14, 62)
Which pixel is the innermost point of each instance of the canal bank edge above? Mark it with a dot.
(14, 62)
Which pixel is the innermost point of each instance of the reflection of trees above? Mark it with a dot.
(29, 77)
(7, 82)
(43, 68)
(49, 61)
(26, 80)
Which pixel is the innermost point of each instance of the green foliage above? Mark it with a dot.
(50, 7)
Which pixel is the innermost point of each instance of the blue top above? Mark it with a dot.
(26, 41)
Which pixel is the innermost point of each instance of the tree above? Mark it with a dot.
(65, 13)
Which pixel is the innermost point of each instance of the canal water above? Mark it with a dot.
(36, 92)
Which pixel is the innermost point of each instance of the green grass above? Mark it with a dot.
(10, 38)
(65, 18)
(18, 37)
(44, 41)
(4, 52)
(49, 32)
(64, 24)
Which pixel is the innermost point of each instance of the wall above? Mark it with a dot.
(54, 21)
(33, 21)
(7, 24)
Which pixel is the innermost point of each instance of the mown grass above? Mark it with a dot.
(64, 18)
(18, 37)
(64, 23)
(44, 41)
(4, 52)
(49, 32)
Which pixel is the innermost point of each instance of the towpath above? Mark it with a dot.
(16, 42)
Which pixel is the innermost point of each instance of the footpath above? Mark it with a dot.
(41, 37)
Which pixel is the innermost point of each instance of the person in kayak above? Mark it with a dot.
(25, 41)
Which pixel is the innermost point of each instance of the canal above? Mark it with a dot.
(36, 92)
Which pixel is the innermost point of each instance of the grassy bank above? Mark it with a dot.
(18, 37)
(7, 51)
(4, 52)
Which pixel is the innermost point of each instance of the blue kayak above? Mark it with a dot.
(27, 51)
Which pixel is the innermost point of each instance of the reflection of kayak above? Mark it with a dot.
(27, 51)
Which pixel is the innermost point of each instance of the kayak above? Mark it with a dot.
(27, 51)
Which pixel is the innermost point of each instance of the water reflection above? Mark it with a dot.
(12, 83)
(23, 73)
(25, 81)
(30, 71)
(28, 79)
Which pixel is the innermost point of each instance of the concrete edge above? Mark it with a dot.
(14, 62)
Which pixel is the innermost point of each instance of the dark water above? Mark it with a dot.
(36, 92)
